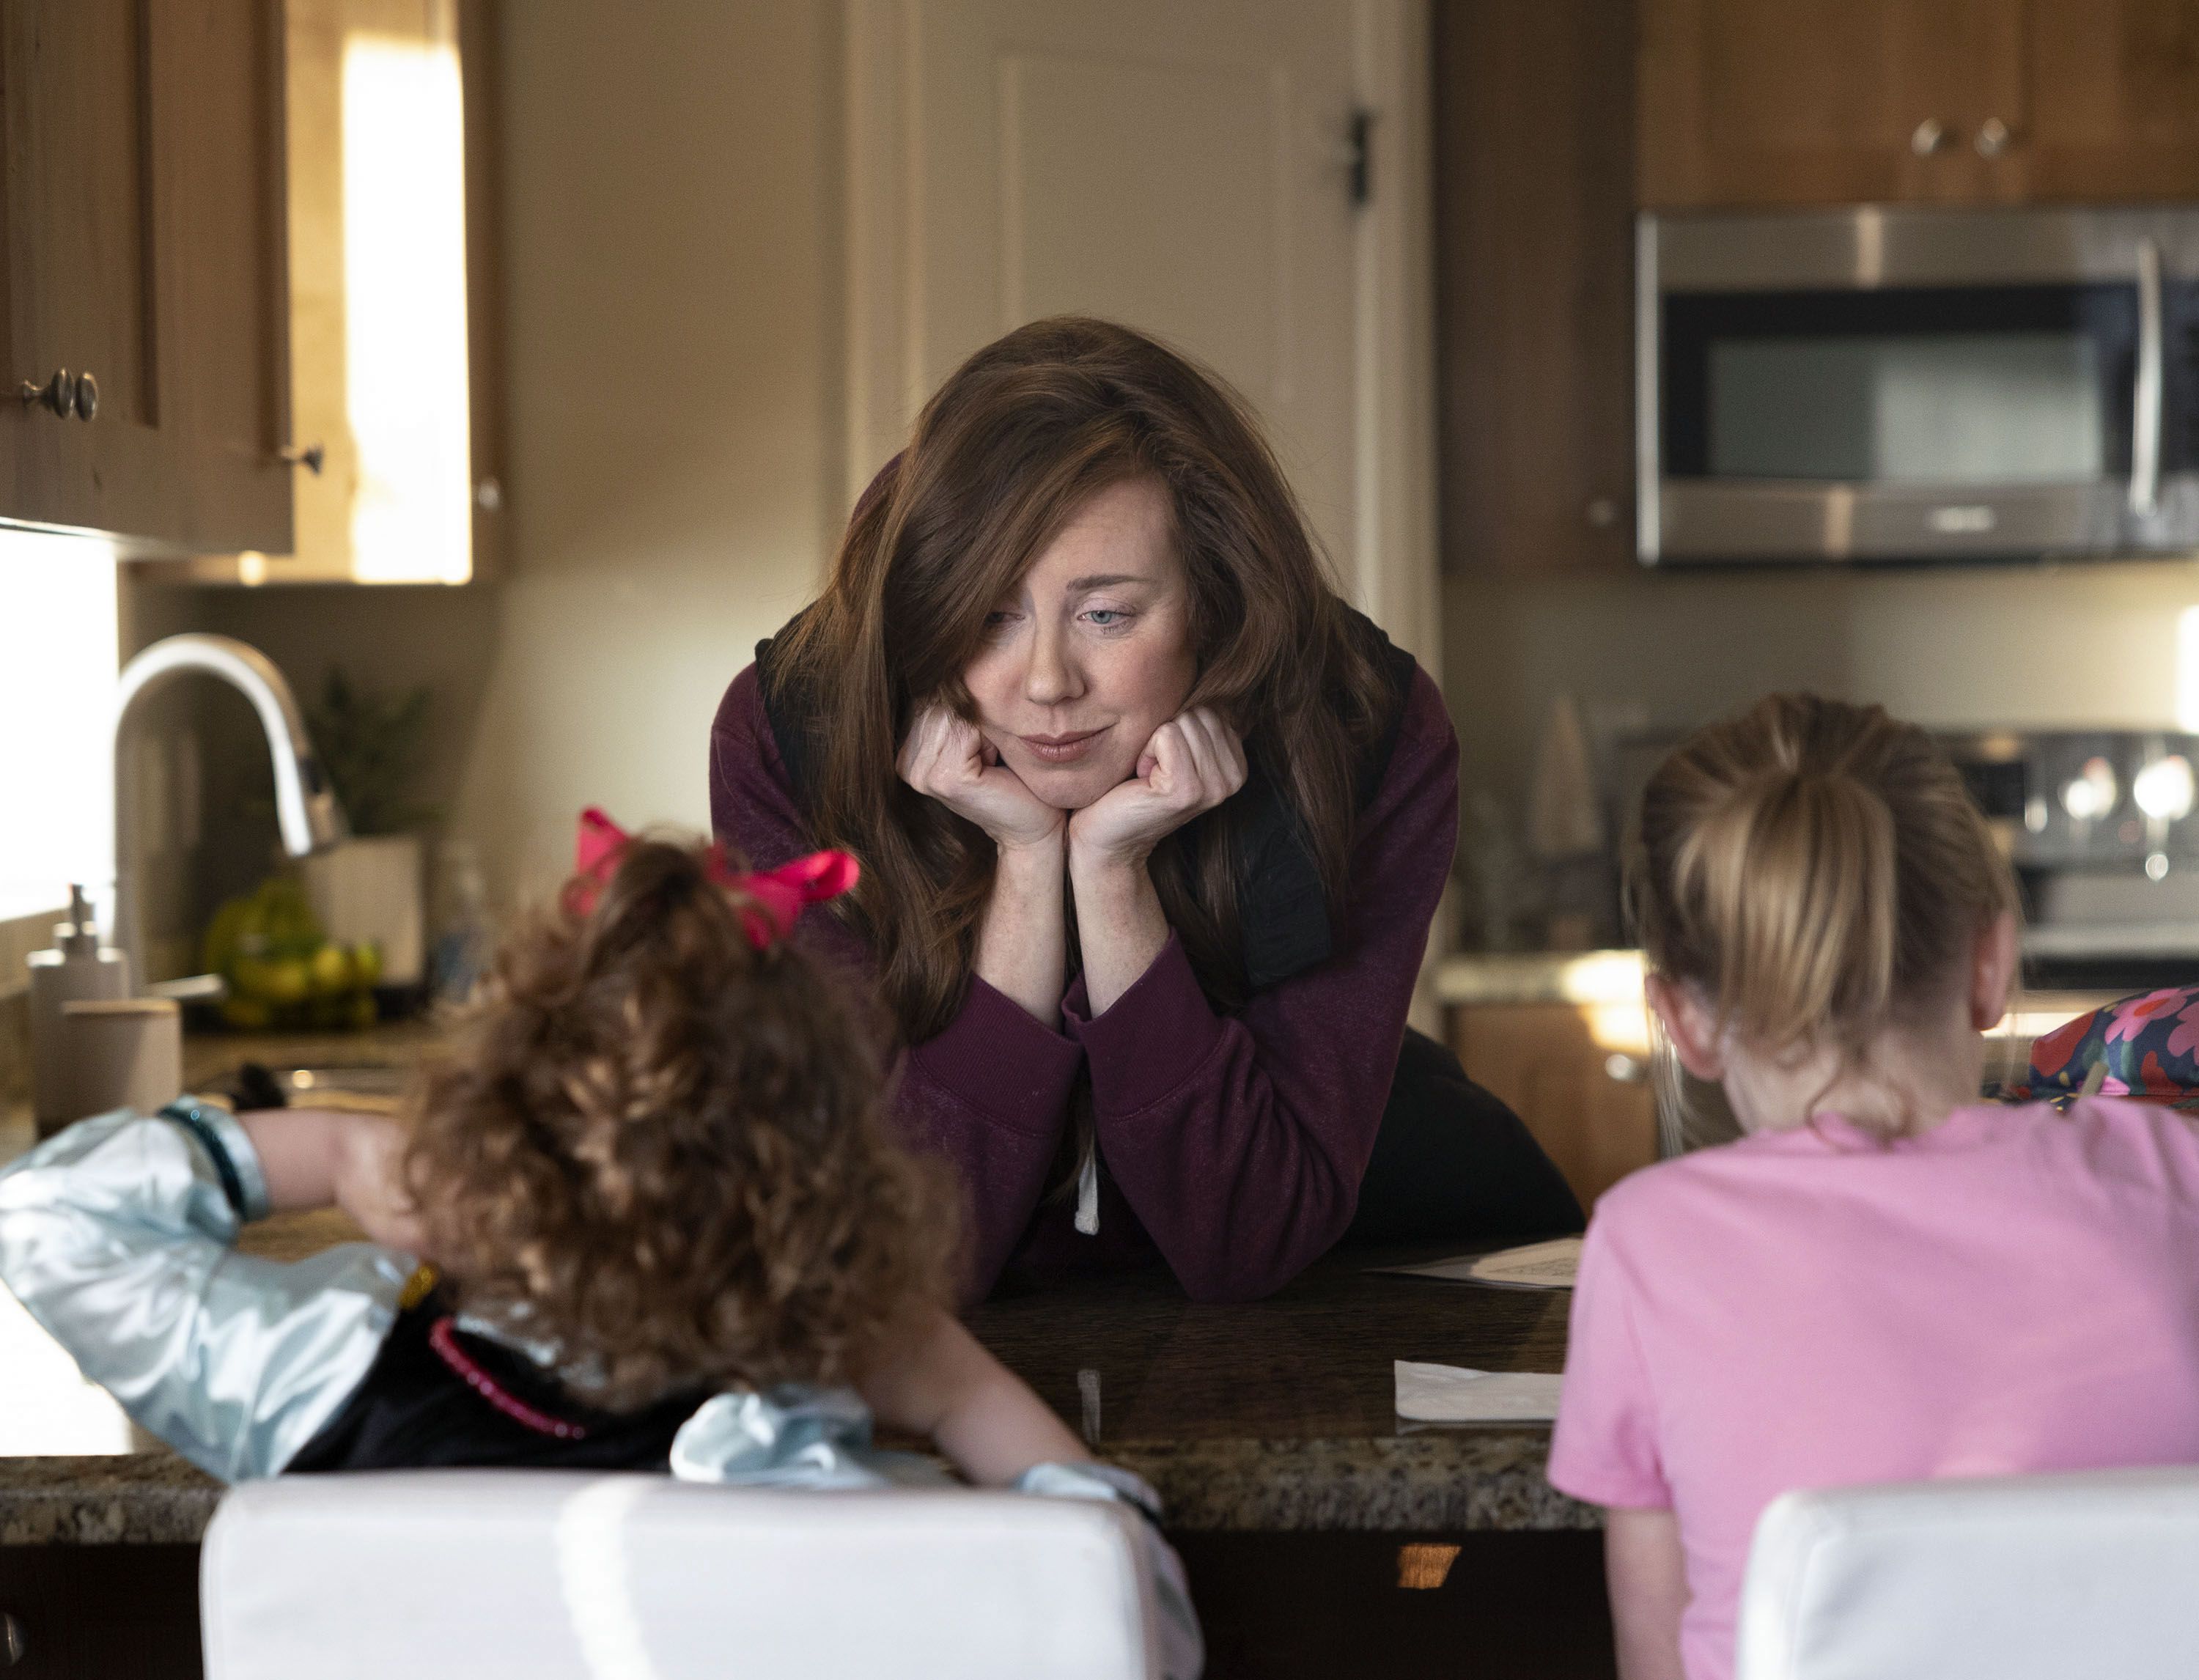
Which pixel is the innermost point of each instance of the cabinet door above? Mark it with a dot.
(1747, 103)
(2115, 101)
(1579, 1085)
(1534, 115)
(142, 207)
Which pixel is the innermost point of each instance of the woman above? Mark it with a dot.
(1152, 826)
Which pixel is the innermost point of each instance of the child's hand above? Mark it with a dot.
(940, 1382)
(369, 1179)
(316, 1157)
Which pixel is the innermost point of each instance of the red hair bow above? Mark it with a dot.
(776, 897)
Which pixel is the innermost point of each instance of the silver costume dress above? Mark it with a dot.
(118, 1236)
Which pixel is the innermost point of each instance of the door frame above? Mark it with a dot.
(1392, 573)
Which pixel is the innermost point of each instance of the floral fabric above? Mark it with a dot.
(2148, 1045)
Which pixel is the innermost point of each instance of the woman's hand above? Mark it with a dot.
(1192, 763)
(946, 758)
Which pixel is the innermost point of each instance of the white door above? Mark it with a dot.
(1186, 169)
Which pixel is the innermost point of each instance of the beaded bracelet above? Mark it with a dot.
(189, 1113)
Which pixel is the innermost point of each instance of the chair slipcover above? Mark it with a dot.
(2010, 1578)
(415, 1575)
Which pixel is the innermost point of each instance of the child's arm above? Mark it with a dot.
(116, 1236)
(318, 1158)
(999, 1433)
(944, 1385)
(1646, 1575)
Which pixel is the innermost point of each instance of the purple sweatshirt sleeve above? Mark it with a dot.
(990, 1093)
(1240, 1141)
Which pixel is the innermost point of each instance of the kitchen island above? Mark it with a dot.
(1270, 1416)
(1323, 1534)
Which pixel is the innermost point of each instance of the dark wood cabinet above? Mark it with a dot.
(142, 207)
(2113, 112)
(102, 1612)
(1534, 115)
(1773, 102)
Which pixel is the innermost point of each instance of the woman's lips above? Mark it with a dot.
(1060, 749)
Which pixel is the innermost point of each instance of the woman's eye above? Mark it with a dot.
(1108, 618)
(998, 621)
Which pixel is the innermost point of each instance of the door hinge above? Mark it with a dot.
(1359, 158)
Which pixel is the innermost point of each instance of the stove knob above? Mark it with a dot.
(2091, 793)
(2165, 790)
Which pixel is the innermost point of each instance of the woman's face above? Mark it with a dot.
(1090, 652)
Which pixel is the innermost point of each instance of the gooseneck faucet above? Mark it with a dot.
(305, 805)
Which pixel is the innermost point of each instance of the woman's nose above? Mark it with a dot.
(1051, 678)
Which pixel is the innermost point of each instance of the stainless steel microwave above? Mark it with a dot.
(1917, 384)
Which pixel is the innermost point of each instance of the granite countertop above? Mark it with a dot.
(1272, 1416)
(1281, 1415)
(208, 1056)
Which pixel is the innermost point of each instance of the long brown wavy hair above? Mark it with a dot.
(1021, 436)
(665, 1149)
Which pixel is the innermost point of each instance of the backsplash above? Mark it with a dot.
(19, 937)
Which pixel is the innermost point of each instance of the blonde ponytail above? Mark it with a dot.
(1810, 869)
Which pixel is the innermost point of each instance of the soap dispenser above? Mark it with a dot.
(78, 970)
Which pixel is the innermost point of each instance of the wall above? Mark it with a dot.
(2015, 645)
(671, 221)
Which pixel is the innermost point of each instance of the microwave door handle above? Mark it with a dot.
(2145, 417)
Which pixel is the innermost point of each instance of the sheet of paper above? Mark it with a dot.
(1544, 1265)
(1452, 1394)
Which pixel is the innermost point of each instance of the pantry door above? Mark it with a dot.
(1189, 170)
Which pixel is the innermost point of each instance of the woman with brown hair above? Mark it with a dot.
(1153, 828)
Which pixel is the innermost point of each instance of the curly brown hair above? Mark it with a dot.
(665, 1149)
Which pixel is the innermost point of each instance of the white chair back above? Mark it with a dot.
(2017, 1578)
(417, 1575)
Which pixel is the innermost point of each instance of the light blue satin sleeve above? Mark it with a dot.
(798, 1436)
(116, 1236)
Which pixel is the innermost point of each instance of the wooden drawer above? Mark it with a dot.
(1577, 1074)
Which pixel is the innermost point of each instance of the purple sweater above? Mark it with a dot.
(1233, 1143)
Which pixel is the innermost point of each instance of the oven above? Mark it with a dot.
(1917, 385)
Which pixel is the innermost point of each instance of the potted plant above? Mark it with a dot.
(367, 891)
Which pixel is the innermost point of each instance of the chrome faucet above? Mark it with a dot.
(305, 805)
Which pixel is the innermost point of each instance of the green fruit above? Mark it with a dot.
(331, 972)
(247, 977)
(366, 964)
(362, 1014)
(220, 944)
(245, 1014)
(289, 980)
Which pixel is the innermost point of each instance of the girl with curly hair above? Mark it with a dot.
(668, 1224)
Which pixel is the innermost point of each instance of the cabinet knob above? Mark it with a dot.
(57, 394)
(1625, 1068)
(1993, 136)
(1603, 512)
(1930, 136)
(11, 1640)
(87, 397)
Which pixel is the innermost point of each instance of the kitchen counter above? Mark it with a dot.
(208, 1056)
(1269, 1416)
(1540, 976)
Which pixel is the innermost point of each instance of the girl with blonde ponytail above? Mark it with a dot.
(1854, 1291)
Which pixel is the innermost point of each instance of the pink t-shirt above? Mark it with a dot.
(2016, 1289)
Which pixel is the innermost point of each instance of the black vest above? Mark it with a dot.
(1288, 924)
(417, 1409)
